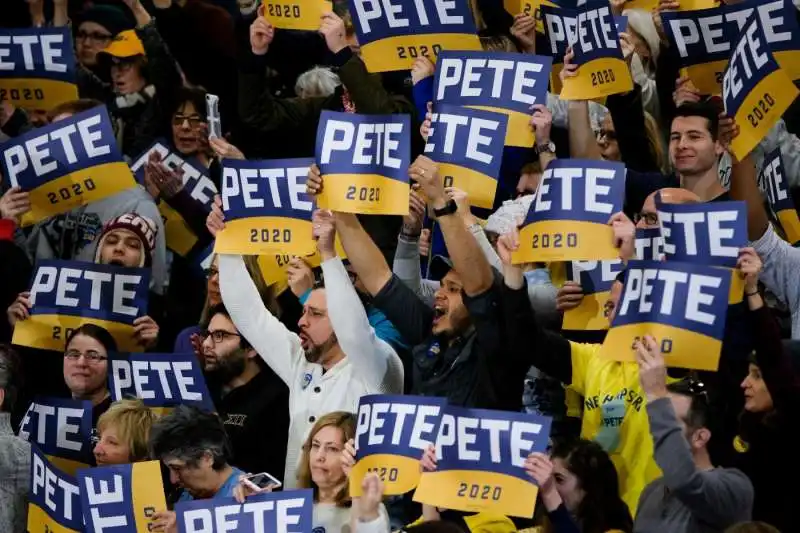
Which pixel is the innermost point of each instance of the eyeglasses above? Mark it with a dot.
(91, 356)
(651, 219)
(211, 272)
(609, 135)
(194, 120)
(93, 36)
(218, 335)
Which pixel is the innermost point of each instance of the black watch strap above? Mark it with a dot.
(449, 208)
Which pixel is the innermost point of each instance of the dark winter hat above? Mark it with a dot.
(111, 18)
(141, 226)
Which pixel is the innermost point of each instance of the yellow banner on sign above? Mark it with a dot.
(761, 109)
(37, 94)
(400, 52)
(369, 194)
(273, 266)
(564, 240)
(790, 223)
(589, 315)
(295, 14)
(180, 237)
(529, 7)
(518, 130)
(265, 235)
(50, 332)
(479, 187)
(598, 78)
(147, 492)
(37, 517)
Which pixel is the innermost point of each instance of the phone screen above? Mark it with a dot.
(263, 480)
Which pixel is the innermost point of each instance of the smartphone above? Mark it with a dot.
(263, 480)
(212, 115)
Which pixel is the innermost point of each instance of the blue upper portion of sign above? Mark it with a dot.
(41, 53)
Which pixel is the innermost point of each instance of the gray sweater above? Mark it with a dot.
(15, 478)
(686, 499)
(780, 274)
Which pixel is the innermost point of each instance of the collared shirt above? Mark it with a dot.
(15, 461)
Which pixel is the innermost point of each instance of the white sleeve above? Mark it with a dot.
(279, 347)
(369, 356)
(781, 264)
(486, 247)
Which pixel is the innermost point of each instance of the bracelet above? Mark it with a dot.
(751, 293)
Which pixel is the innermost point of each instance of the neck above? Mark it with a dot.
(702, 460)
(332, 357)
(706, 185)
(328, 494)
(218, 478)
(251, 370)
(95, 397)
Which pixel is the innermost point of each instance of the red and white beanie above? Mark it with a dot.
(141, 226)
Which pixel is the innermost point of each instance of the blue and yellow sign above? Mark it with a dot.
(468, 145)
(392, 433)
(37, 67)
(680, 304)
(54, 502)
(710, 233)
(394, 33)
(704, 39)
(161, 380)
(559, 29)
(62, 430)
(596, 279)
(495, 81)
(121, 498)
(274, 266)
(365, 160)
(68, 294)
(773, 184)
(480, 455)
(180, 238)
(266, 207)
(602, 70)
(568, 219)
(302, 15)
(67, 164)
(649, 244)
(272, 512)
(534, 9)
(755, 90)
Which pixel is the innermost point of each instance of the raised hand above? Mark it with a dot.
(261, 35)
(569, 296)
(216, 218)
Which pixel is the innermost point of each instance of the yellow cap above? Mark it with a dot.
(489, 523)
(125, 44)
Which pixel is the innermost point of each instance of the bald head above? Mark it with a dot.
(671, 195)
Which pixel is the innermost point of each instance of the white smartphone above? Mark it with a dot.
(262, 480)
(212, 115)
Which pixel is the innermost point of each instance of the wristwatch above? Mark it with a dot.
(548, 148)
(449, 208)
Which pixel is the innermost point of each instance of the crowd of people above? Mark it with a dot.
(429, 304)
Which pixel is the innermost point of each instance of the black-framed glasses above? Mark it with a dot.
(93, 36)
(193, 120)
(651, 219)
(218, 335)
(211, 272)
(91, 356)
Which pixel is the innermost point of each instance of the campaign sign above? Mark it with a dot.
(62, 430)
(296, 14)
(755, 90)
(602, 70)
(649, 244)
(392, 433)
(68, 294)
(559, 29)
(568, 219)
(365, 160)
(495, 81)
(392, 34)
(54, 503)
(705, 38)
(596, 279)
(708, 233)
(480, 461)
(274, 267)
(121, 498)
(772, 181)
(680, 304)
(266, 207)
(161, 380)
(531, 8)
(272, 512)
(180, 238)
(37, 67)
(468, 145)
(67, 164)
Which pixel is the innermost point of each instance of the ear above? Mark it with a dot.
(700, 438)
(251, 353)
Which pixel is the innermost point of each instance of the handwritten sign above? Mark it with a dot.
(67, 294)
(391, 435)
(37, 67)
(365, 160)
(121, 498)
(296, 14)
(568, 219)
(64, 165)
(480, 461)
(468, 145)
(772, 181)
(54, 502)
(680, 304)
(596, 279)
(495, 81)
(394, 33)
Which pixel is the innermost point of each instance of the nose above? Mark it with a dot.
(303, 322)
(98, 449)
(208, 345)
(173, 477)
(745, 382)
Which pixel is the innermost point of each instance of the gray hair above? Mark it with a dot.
(641, 22)
(319, 81)
(188, 434)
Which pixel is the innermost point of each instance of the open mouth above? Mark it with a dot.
(305, 342)
(439, 313)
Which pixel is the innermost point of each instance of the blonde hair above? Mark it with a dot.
(654, 140)
(132, 419)
(266, 291)
(498, 43)
(338, 419)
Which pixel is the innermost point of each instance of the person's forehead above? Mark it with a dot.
(317, 299)
(124, 234)
(187, 108)
(452, 277)
(85, 342)
(220, 321)
(691, 123)
(91, 26)
(329, 434)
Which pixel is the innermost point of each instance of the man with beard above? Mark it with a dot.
(250, 398)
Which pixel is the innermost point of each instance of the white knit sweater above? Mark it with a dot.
(371, 365)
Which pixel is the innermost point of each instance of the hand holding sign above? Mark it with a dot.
(332, 29)
(15, 203)
(652, 370)
(426, 173)
(145, 331)
(749, 265)
(524, 30)
(368, 505)
(216, 218)
(20, 309)
(569, 296)
(261, 35)
(324, 232)
(299, 276)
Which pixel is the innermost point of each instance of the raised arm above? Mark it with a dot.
(406, 265)
(582, 141)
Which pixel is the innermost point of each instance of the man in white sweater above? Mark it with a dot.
(336, 359)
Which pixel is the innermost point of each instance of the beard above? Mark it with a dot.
(229, 366)
(315, 352)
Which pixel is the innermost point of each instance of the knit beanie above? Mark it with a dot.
(141, 226)
(110, 17)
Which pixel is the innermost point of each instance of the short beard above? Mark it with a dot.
(315, 353)
(231, 366)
